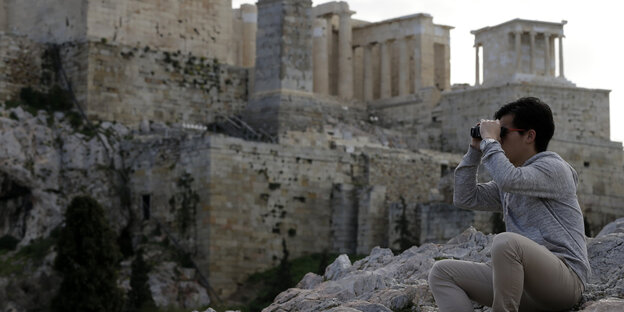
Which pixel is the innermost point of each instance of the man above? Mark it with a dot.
(540, 263)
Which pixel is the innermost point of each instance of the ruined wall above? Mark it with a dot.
(20, 65)
(199, 27)
(416, 115)
(48, 21)
(600, 166)
(129, 84)
(253, 196)
(3, 16)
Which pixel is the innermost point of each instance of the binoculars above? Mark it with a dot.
(475, 132)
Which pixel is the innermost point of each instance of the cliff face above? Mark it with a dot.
(384, 282)
(46, 159)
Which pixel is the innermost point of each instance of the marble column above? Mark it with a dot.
(417, 65)
(345, 57)
(403, 67)
(331, 56)
(546, 54)
(4, 23)
(477, 67)
(368, 72)
(320, 57)
(532, 39)
(561, 56)
(250, 25)
(386, 74)
(518, 37)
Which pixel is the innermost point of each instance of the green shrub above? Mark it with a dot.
(140, 296)
(8, 242)
(88, 260)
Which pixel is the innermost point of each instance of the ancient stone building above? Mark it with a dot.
(318, 131)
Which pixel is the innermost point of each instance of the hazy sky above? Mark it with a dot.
(591, 45)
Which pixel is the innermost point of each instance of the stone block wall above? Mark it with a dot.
(3, 16)
(200, 27)
(415, 115)
(284, 46)
(54, 21)
(128, 85)
(252, 197)
(20, 65)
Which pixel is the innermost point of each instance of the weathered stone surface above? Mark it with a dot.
(616, 226)
(384, 282)
(606, 305)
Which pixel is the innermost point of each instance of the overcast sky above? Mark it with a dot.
(591, 46)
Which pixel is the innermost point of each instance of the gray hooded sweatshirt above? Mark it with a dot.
(538, 200)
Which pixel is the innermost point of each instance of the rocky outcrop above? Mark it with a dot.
(45, 161)
(385, 282)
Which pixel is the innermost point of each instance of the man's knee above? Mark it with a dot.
(439, 271)
(505, 242)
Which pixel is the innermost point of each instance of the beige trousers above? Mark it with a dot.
(523, 276)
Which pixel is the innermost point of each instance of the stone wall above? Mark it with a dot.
(129, 85)
(415, 115)
(202, 28)
(244, 29)
(252, 197)
(54, 21)
(20, 65)
(284, 46)
(3, 16)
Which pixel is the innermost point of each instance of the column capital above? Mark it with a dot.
(345, 13)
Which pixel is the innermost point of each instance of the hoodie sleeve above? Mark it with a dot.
(468, 194)
(546, 177)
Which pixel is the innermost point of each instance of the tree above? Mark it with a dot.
(140, 297)
(87, 257)
(406, 239)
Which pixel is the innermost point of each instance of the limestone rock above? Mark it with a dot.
(606, 305)
(385, 282)
(339, 268)
(310, 281)
(616, 226)
(169, 289)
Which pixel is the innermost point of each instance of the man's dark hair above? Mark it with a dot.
(531, 113)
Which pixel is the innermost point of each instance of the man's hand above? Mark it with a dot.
(490, 129)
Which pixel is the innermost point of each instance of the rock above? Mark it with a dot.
(606, 305)
(144, 127)
(20, 113)
(384, 282)
(310, 281)
(168, 290)
(338, 269)
(616, 226)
